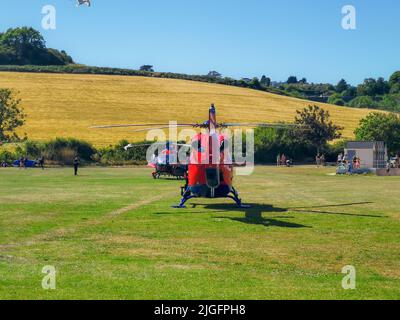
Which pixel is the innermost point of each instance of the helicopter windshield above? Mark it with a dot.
(201, 149)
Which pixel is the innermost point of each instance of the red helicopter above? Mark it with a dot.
(210, 169)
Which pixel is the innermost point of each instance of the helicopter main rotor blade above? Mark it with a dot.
(136, 125)
(164, 127)
(132, 146)
(264, 125)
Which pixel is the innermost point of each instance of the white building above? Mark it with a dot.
(372, 154)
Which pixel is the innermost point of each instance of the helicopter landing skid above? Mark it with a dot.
(183, 201)
(234, 197)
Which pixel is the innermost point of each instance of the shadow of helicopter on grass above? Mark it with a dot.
(254, 215)
(306, 209)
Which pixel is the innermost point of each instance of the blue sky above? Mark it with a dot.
(238, 38)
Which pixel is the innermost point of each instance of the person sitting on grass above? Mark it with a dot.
(358, 163)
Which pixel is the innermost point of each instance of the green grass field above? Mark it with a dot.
(111, 234)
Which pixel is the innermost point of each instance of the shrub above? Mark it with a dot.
(60, 149)
(7, 156)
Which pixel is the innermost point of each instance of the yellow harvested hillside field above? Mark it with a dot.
(66, 105)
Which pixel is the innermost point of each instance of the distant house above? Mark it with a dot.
(373, 154)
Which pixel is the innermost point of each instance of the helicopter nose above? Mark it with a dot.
(213, 178)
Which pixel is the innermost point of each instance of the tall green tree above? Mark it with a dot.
(265, 81)
(28, 43)
(315, 127)
(381, 127)
(214, 74)
(11, 115)
(341, 86)
(147, 68)
(292, 80)
(394, 82)
(25, 45)
(372, 87)
(255, 84)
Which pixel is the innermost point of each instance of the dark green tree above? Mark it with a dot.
(265, 81)
(292, 80)
(214, 74)
(255, 84)
(11, 115)
(394, 82)
(28, 43)
(341, 86)
(25, 45)
(381, 127)
(315, 127)
(372, 87)
(147, 68)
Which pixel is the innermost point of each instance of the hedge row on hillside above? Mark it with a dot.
(83, 69)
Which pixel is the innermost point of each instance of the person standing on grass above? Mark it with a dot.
(278, 160)
(323, 160)
(76, 165)
(41, 162)
(21, 162)
(26, 162)
(283, 160)
(318, 160)
(340, 158)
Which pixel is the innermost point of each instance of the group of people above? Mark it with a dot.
(343, 160)
(282, 160)
(23, 162)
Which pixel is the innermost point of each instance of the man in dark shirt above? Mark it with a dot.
(41, 162)
(76, 165)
